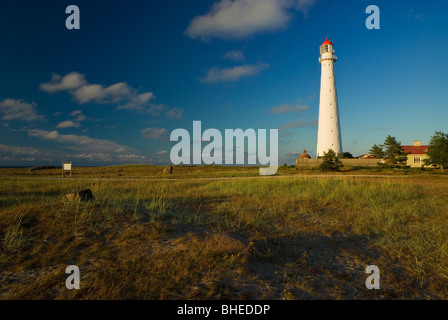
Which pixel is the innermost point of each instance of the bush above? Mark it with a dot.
(330, 162)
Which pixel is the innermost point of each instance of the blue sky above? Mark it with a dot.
(111, 92)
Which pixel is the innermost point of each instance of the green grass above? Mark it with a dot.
(200, 172)
(294, 237)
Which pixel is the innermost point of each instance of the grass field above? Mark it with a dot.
(299, 235)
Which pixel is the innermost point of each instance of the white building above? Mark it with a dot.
(329, 131)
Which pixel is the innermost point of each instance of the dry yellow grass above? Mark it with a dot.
(290, 238)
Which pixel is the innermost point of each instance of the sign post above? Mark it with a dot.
(66, 166)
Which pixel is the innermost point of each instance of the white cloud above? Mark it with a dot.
(75, 113)
(234, 55)
(120, 94)
(15, 150)
(80, 118)
(237, 19)
(24, 154)
(175, 113)
(82, 153)
(89, 93)
(68, 124)
(231, 74)
(160, 157)
(71, 81)
(303, 5)
(297, 124)
(74, 123)
(83, 92)
(137, 102)
(97, 93)
(80, 143)
(12, 109)
(156, 110)
(155, 133)
(287, 108)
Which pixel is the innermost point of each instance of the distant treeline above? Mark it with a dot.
(13, 167)
(43, 168)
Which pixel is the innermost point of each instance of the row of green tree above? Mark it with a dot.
(392, 154)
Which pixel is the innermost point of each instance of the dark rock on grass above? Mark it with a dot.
(83, 195)
(168, 170)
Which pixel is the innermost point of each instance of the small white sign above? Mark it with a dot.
(67, 166)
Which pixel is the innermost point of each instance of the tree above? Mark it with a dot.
(391, 151)
(330, 162)
(345, 155)
(394, 153)
(377, 151)
(438, 150)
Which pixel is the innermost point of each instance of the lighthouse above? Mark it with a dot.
(329, 130)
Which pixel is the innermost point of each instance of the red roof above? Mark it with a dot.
(327, 42)
(415, 149)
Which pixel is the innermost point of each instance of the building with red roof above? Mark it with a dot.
(416, 153)
(304, 155)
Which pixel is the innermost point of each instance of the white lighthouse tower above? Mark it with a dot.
(329, 131)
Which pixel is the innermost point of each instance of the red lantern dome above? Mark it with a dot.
(327, 42)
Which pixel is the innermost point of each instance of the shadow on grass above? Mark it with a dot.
(321, 267)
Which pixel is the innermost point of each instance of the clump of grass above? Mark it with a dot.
(14, 238)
